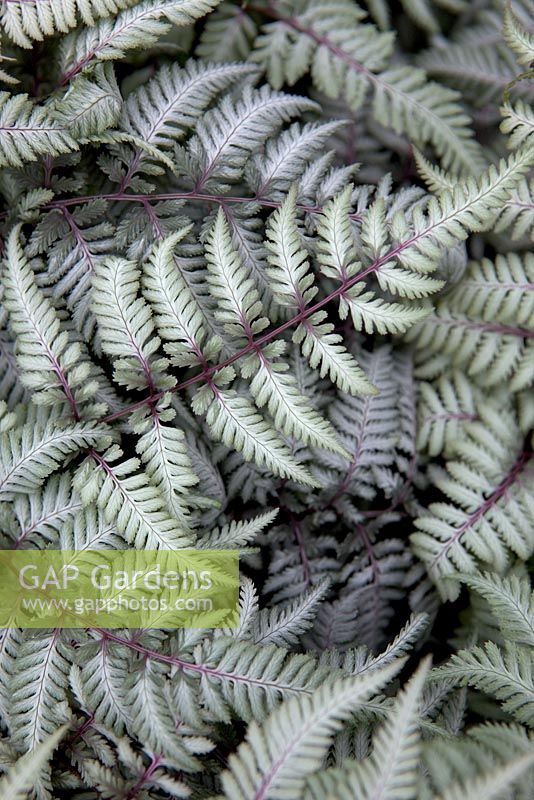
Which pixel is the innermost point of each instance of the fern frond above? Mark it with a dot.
(28, 131)
(273, 386)
(287, 155)
(403, 642)
(236, 534)
(483, 754)
(53, 367)
(486, 323)
(101, 677)
(490, 508)
(512, 603)
(38, 686)
(518, 124)
(91, 105)
(373, 583)
(163, 450)
(477, 61)
(435, 178)
(283, 624)
(518, 211)
(444, 408)
(368, 429)
(337, 255)
(31, 452)
(131, 29)
(372, 314)
(520, 40)
(426, 112)
(492, 784)
(178, 318)
(227, 135)
(160, 112)
(323, 349)
(227, 34)
(239, 309)
(150, 717)
(89, 530)
(125, 326)
(471, 206)
(11, 386)
(507, 674)
(337, 251)
(347, 58)
(74, 241)
(27, 21)
(275, 760)
(220, 676)
(500, 291)
(289, 271)
(130, 769)
(247, 239)
(391, 770)
(233, 420)
(21, 778)
(238, 304)
(129, 501)
(41, 516)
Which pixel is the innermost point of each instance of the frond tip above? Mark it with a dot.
(276, 758)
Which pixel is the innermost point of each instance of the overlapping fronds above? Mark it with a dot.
(293, 323)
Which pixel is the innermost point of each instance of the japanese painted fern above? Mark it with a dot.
(267, 285)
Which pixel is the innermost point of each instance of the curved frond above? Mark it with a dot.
(28, 131)
(276, 758)
(130, 502)
(489, 513)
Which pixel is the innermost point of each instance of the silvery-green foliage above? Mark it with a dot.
(24, 774)
(504, 671)
(267, 285)
(490, 514)
(348, 58)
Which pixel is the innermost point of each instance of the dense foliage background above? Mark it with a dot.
(267, 284)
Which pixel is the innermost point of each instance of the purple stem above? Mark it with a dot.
(517, 468)
(144, 778)
(120, 196)
(188, 666)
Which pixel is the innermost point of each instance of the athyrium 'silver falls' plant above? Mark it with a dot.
(267, 285)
